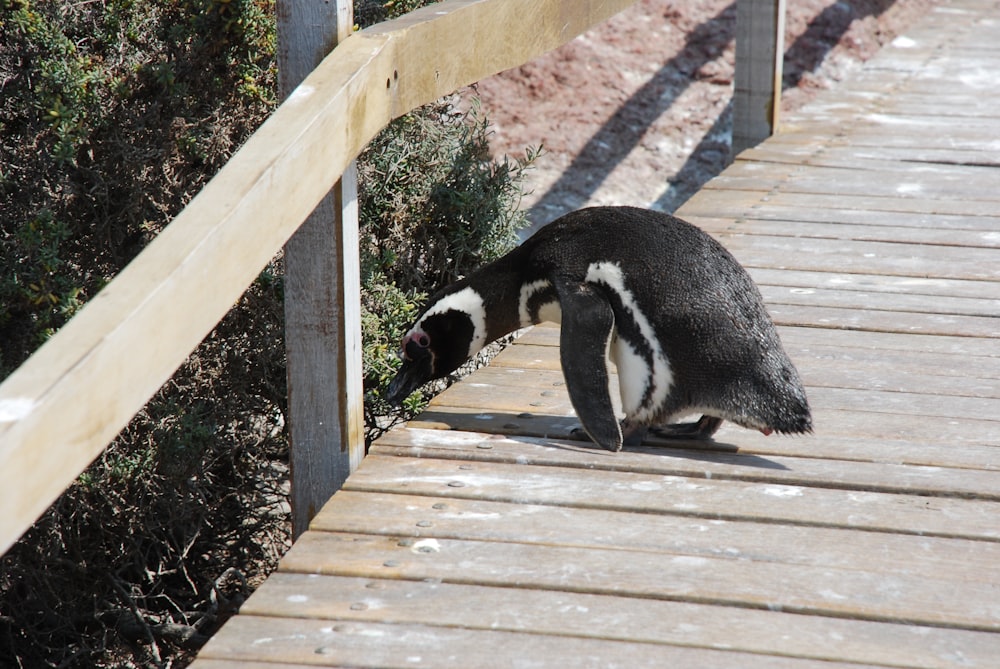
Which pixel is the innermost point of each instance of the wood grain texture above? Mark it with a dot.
(160, 306)
(480, 535)
(558, 523)
(322, 294)
(664, 493)
(619, 618)
(760, 48)
(357, 643)
(826, 591)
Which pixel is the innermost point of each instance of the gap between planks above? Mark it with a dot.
(680, 495)
(619, 618)
(851, 476)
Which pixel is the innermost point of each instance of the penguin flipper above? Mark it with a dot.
(586, 330)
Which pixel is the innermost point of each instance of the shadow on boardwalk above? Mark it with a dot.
(617, 138)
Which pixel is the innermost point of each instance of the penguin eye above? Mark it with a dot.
(423, 341)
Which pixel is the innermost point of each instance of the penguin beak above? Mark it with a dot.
(412, 375)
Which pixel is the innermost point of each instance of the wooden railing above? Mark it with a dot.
(61, 408)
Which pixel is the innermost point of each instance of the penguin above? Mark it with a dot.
(680, 318)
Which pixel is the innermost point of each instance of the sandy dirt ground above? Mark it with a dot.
(637, 111)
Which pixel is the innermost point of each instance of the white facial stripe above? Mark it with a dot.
(467, 301)
(634, 375)
(527, 291)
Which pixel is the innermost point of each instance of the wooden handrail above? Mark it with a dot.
(63, 405)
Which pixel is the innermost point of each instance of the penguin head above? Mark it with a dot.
(437, 345)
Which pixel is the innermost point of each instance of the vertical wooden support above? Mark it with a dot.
(322, 293)
(760, 48)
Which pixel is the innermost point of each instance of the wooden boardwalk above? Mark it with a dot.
(477, 537)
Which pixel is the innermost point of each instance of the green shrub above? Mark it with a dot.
(434, 206)
(112, 116)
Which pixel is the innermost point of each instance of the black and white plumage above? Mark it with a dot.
(677, 314)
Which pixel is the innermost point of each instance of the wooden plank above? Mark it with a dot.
(359, 644)
(654, 493)
(877, 229)
(626, 619)
(760, 37)
(969, 140)
(833, 368)
(900, 376)
(912, 103)
(845, 435)
(940, 353)
(867, 123)
(964, 438)
(322, 286)
(743, 211)
(884, 321)
(796, 471)
(975, 350)
(927, 161)
(907, 285)
(395, 515)
(964, 128)
(881, 258)
(971, 348)
(884, 367)
(841, 439)
(964, 316)
(158, 308)
(323, 345)
(945, 178)
(917, 404)
(942, 75)
(890, 365)
(832, 181)
(708, 201)
(502, 389)
(743, 583)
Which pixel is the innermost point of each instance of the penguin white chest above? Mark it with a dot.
(644, 375)
(634, 374)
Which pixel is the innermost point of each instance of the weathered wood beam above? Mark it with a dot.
(60, 409)
(760, 48)
(322, 293)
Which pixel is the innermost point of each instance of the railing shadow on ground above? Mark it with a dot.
(613, 142)
(616, 139)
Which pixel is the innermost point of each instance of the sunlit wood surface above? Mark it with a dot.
(478, 537)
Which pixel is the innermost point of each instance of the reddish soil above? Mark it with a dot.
(637, 111)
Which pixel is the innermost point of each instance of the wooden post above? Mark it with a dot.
(322, 293)
(760, 48)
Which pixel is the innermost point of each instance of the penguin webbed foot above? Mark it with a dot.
(701, 429)
(636, 434)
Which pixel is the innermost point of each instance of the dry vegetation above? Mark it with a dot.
(112, 115)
